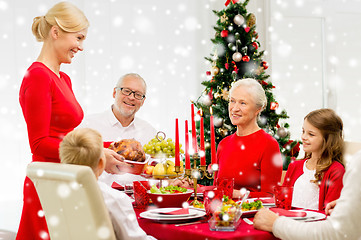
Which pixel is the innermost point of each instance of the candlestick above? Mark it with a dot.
(203, 156)
(213, 140)
(188, 161)
(194, 131)
(176, 151)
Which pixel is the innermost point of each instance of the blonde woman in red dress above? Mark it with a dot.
(48, 103)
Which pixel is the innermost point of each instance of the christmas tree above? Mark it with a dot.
(236, 56)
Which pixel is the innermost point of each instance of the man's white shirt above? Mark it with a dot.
(112, 130)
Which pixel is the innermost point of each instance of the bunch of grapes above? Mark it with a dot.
(159, 147)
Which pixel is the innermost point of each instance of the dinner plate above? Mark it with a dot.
(310, 216)
(271, 204)
(158, 212)
(249, 213)
(166, 219)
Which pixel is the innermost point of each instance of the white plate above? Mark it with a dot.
(166, 218)
(311, 215)
(158, 213)
(264, 204)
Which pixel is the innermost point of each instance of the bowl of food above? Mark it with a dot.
(226, 217)
(133, 154)
(170, 196)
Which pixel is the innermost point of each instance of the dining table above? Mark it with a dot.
(198, 231)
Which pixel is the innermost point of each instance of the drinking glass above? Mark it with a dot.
(226, 185)
(211, 200)
(141, 196)
(283, 196)
(128, 189)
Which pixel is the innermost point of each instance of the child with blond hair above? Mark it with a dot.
(84, 146)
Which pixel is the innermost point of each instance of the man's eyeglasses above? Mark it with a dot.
(127, 92)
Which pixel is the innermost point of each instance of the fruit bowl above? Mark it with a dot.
(171, 199)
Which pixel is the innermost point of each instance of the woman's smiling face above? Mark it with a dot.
(242, 107)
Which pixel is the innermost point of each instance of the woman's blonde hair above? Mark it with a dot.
(65, 15)
(331, 128)
(83, 146)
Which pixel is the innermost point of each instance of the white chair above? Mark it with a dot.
(73, 205)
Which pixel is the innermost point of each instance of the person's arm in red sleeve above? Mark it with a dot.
(271, 167)
(333, 185)
(36, 105)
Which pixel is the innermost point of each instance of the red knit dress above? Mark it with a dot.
(254, 161)
(50, 111)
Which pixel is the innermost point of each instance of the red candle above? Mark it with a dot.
(194, 132)
(188, 161)
(176, 151)
(203, 158)
(213, 140)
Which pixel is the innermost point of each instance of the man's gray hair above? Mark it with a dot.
(135, 75)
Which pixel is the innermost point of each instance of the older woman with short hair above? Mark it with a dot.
(250, 155)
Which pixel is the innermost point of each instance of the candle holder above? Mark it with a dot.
(195, 174)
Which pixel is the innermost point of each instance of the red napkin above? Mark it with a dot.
(205, 188)
(287, 213)
(267, 200)
(177, 212)
(117, 186)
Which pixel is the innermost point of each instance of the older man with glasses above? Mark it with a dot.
(119, 121)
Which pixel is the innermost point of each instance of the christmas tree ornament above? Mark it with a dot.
(246, 29)
(224, 18)
(282, 132)
(264, 64)
(230, 28)
(229, 1)
(273, 105)
(245, 58)
(231, 46)
(251, 20)
(224, 33)
(226, 65)
(255, 45)
(237, 36)
(225, 94)
(215, 70)
(218, 122)
(238, 19)
(223, 132)
(205, 100)
(237, 56)
(244, 50)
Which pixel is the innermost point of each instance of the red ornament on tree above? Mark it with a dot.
(255, 45)
(273, 105)
(224, 33)
(247, 29)
(208, 73)
(264, 64)
(245, 58)
(226, 65)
